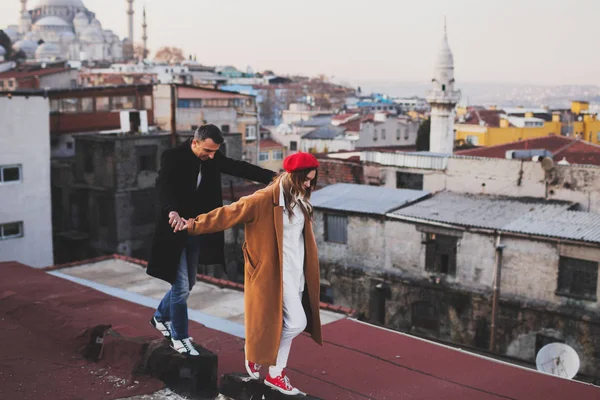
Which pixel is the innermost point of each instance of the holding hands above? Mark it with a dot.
(176, 222)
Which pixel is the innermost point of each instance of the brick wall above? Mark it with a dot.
(339, 171)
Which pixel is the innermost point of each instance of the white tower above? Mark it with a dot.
(130, 20)
(443, 98)
(145, 36)
(25, 20)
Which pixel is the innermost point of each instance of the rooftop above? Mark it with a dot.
(532, 216)
(392, 365)
(326, 132)
(575, 151)
(270, 144)
(21, 73)
(364, 199)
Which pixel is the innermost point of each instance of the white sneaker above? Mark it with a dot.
(184, 346)
(162, 327)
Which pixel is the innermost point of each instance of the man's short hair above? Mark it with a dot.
(209, 131)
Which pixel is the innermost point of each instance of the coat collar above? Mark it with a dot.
(276, 191)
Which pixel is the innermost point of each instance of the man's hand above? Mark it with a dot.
(176, 222)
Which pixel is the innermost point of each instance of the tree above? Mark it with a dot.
(171, 55)
(423, 135)
(138, 52)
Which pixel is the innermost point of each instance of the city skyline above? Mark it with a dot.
(383, 41)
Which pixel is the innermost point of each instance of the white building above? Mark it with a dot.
(69, 30)
(443, 98)
(384, 130)
(25, 214)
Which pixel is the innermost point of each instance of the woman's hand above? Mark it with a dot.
(176, 222)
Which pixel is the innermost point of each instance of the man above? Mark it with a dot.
(189, 184)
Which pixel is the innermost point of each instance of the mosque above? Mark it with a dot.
(67, 30)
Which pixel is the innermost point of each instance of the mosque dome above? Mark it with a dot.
(59, 3)
(47, 51)
(12, 33)
(26, 46)
(52, 22)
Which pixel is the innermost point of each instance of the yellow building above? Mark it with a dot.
(588, 128)
(490, 127)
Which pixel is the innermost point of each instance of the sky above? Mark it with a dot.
(551, 42)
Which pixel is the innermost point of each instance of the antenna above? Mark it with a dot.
(558, 359)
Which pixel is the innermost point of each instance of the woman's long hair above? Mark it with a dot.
(294, 192)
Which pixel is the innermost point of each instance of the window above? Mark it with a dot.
(293, 145)
(87, 105)
(263, 156)
(406, 134)
(11, 230)
(383, 134)
(70, 106)
(424, 316)
(277, 154)
(54, 105)
(104, 211)
(123, 102)
(102, 104)
(225, 128)
(375, 135)
(183, 103)
(88, 162)
(443, 88)
(472, 140)
(407, 180)
(440, 254)
(398, 134)
(251, 132)
(146, 158)
(577, 278)
(69, 145)
(336, 228)
(10, 173)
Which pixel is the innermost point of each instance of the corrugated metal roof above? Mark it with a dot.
(573, 225)
(325, 132)
(421, 160)
(363, 198)
(479, 211)
(518, 215)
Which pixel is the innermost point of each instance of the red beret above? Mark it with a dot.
(300, 161)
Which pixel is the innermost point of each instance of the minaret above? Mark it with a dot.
(145, 36)
(130, 20)
(25, 19)
(443, 98)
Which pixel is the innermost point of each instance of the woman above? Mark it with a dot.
(281, 296)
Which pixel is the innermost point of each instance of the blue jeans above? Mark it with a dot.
(173, 307)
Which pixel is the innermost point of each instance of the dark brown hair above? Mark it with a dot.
(293, 189)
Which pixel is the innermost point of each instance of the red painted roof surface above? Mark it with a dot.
(17, 74)
(575, 151)
(42, 314)
(343, 117)
(270, 144)
(352, 126)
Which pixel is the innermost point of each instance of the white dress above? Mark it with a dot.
(293, 249)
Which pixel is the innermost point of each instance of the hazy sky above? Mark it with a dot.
(520, 41)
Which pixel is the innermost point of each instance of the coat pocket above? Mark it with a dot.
(250, 266)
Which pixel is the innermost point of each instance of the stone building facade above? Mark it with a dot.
(434, 278)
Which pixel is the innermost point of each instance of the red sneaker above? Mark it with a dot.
(282, 384)
(253, 370)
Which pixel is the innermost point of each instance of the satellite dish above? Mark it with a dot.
(558, 359)
(547, 164)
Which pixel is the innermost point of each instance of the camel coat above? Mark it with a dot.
(263, 255)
